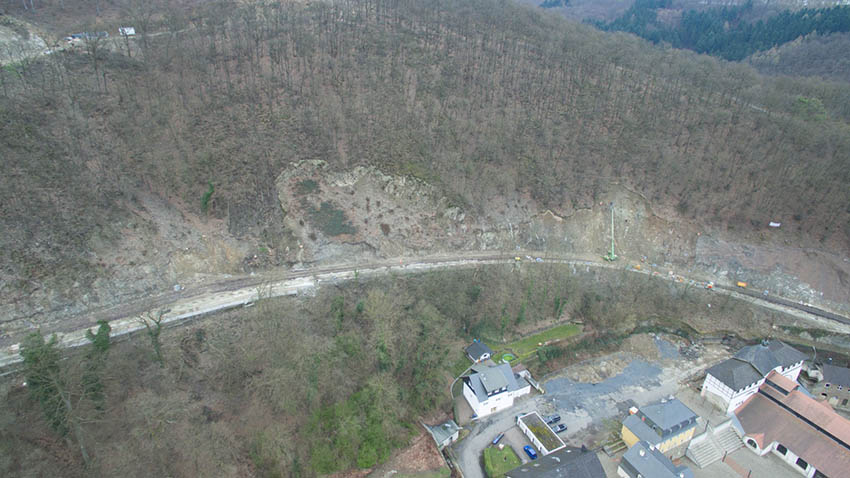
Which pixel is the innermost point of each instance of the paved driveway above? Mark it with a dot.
(482, 433)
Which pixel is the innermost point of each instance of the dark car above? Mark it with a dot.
(552, 419)
(559, 428)
(498, 438)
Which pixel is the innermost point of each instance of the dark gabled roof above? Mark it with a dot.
(766, 357)
(668, 413)
(836, 375)
(754, 362)
(651, 463)
(477, 349)
(786, 354)
(735, 374)
(565, 463)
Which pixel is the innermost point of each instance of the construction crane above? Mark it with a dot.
(611, 256)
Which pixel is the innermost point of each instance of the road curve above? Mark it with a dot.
(245, 290)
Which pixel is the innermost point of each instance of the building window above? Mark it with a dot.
(802, 463)
(781, 449)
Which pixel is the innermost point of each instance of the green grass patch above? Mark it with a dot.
(527, 346)
(205, 199)
(331, 221)
(498, 462)
(306, 186)
(458, 366)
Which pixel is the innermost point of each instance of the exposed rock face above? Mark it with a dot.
(17, 42)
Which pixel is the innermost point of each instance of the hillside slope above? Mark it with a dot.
(129, 168)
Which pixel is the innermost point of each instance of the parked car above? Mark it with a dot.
(530, 452)
(498, 438)
(552, 419)
(559, 428)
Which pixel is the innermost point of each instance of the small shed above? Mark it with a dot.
(127, 31)
(478, 351)
(445, 433)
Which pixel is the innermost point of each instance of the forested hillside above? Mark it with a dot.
(212, 101)
(303, 387)
(724, 31)
(825, 56)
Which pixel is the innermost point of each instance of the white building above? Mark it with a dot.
(489, 389)
(729, 383)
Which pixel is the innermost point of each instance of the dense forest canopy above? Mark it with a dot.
(477, 98)
(723, 31)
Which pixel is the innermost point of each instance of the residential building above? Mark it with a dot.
(668, 426)
(729, 383)
(783, 419)
(478, 351)
(567, 462)
(643, 460)
(491, 388)
(834, 386)
(445, 433)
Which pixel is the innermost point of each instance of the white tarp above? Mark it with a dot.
(128, 31)
(775, 224)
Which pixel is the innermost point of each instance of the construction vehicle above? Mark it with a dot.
(742, 285)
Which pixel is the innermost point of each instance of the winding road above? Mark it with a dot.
(242, 291)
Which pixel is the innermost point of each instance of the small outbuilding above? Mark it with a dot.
(445, 433)
(478, 351)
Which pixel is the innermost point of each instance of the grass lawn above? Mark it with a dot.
(498, 462)
(526, 347)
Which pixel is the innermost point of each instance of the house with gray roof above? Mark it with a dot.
(569, 462)
(729, 383)
(491, 388)
(478, 351)
(667, 425)
(643, 460)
